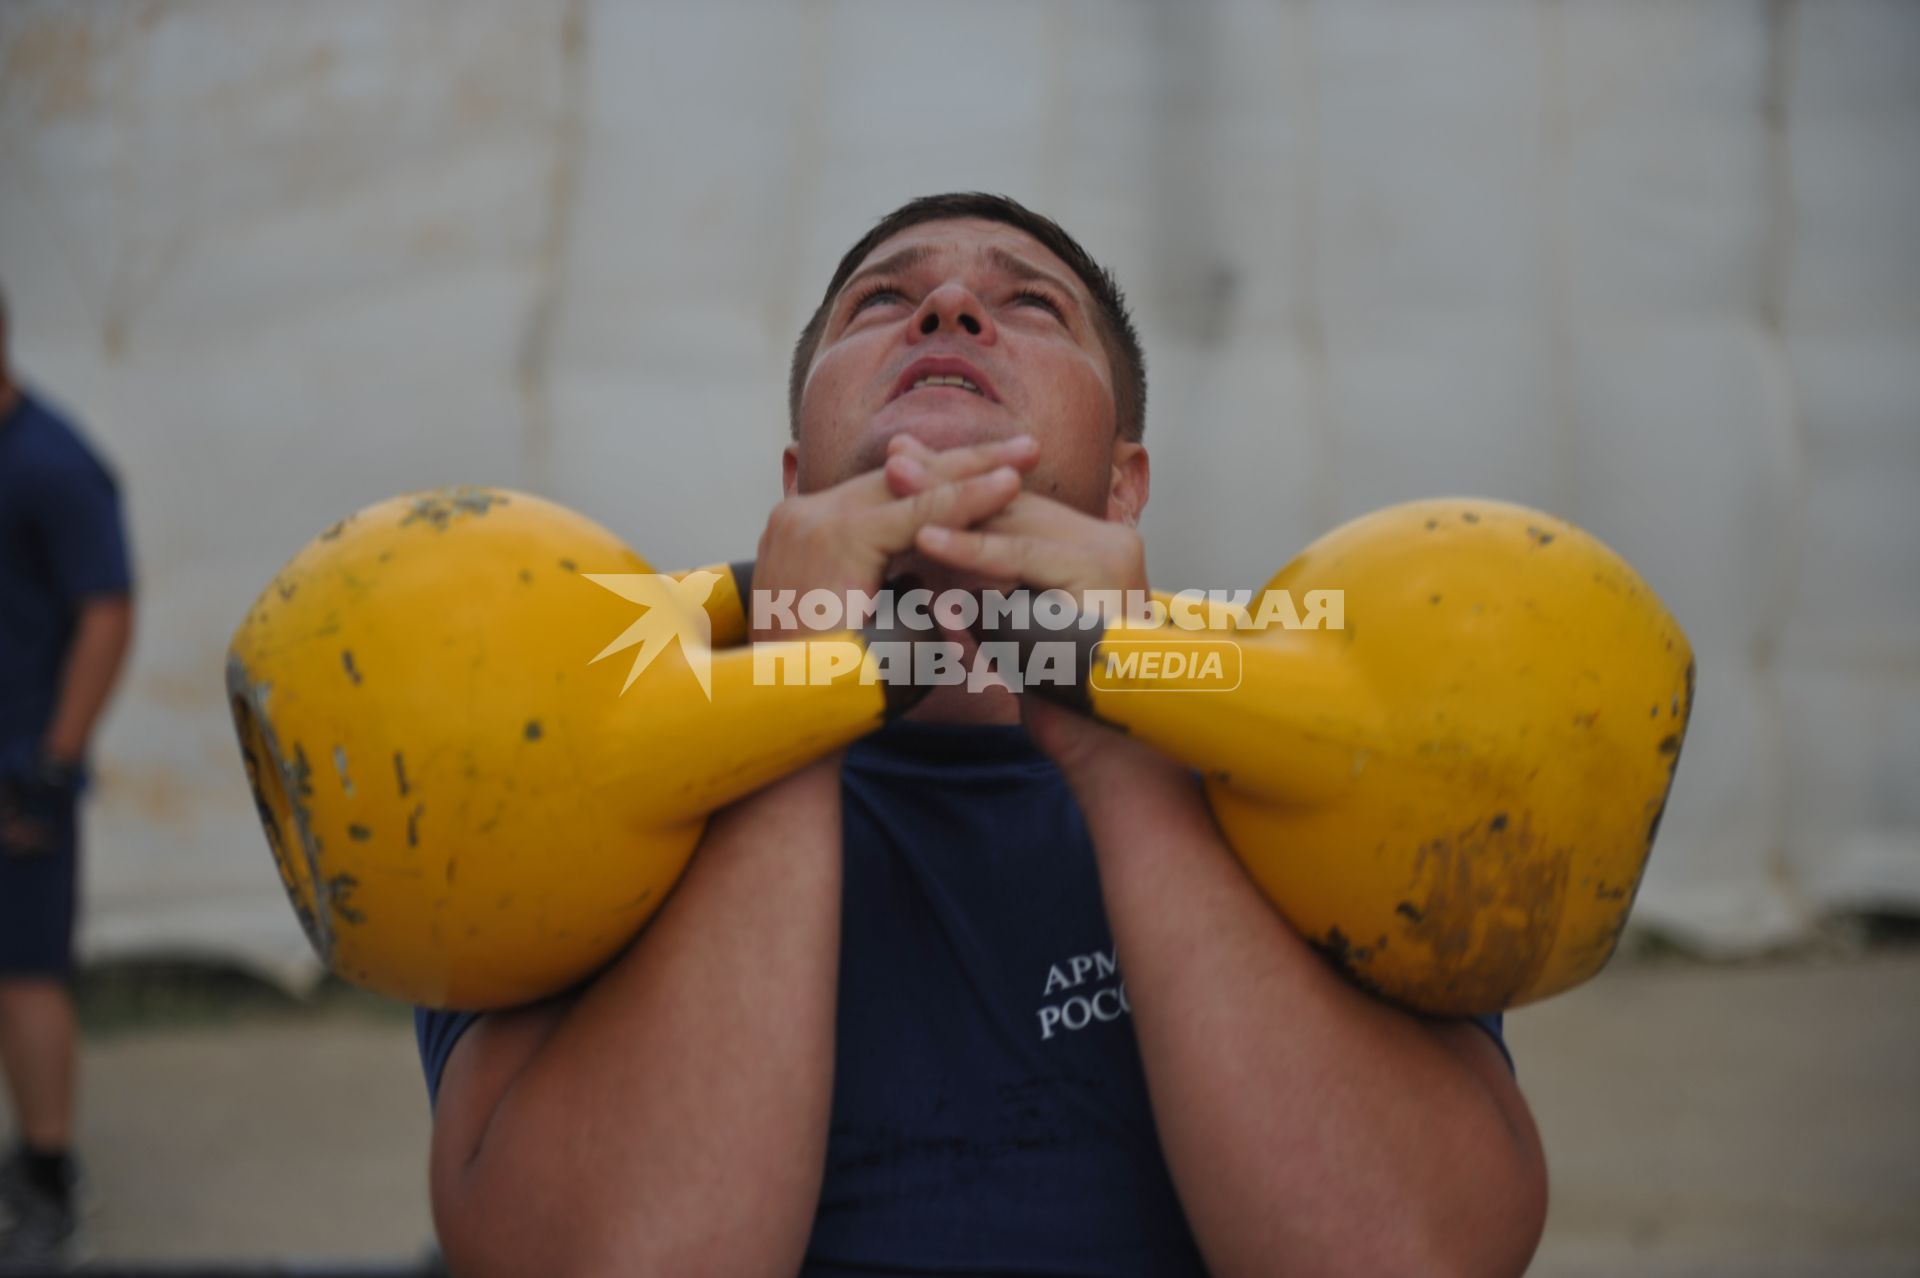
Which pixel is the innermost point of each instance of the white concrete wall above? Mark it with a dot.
(1649, 264)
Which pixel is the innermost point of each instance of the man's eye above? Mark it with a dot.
(878, 293)
(1028, 297)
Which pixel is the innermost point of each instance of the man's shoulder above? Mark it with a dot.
(47, 440)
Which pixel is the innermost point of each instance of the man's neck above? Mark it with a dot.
(962, 702)
(957, 702)
(9, 395)
(952, 703)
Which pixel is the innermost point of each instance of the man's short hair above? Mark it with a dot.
(1112, 321)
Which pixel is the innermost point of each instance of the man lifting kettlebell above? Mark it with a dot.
(829, 1053)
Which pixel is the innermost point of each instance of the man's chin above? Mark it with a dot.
(937, 431)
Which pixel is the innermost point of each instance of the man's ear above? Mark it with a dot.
(1127, 492)
(789, 467)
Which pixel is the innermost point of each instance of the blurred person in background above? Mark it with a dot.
(847, 1043)
(66, 618)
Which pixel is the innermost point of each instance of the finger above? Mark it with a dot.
(912, 467)
(876, 488)
(967, 501)
(1032, 515)
(1037, 515)
(1086, 541)
(906, 475)
(869, 488)
(924, 468)
(1019, 451)
(915, 458)
(1033, 560)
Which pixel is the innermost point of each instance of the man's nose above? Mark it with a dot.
(952, 308)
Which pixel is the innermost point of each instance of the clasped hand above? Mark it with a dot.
(1042, 544)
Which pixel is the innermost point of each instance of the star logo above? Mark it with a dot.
(674, 608)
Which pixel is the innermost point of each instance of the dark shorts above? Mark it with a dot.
(38, 895)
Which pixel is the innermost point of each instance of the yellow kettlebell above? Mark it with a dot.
(1452, 794)
(466, 811)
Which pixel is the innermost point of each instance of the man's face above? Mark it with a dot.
(973, 299)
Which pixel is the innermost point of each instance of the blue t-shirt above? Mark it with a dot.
(61, 541)
(990, 1114)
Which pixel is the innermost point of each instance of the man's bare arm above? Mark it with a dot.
(1309, 1127)
(102, 633)
(673, 1118)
